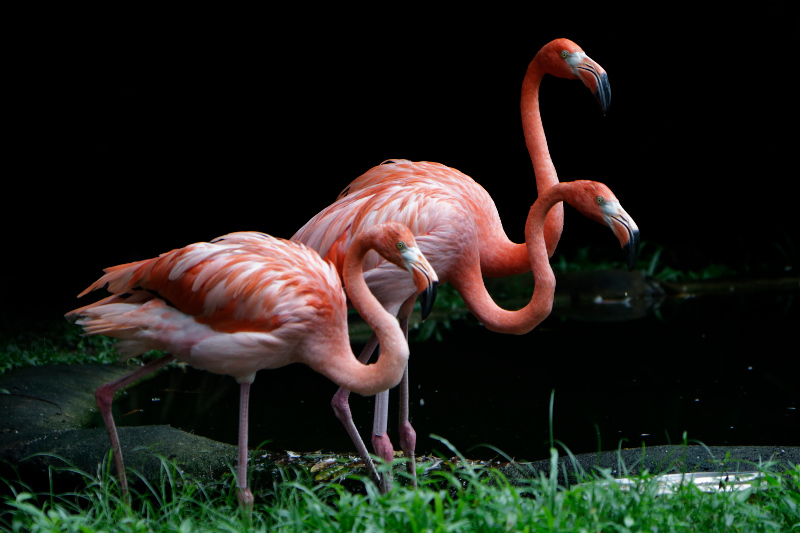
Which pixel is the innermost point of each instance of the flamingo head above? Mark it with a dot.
(397, 245)
(565, 59)
(597, 202)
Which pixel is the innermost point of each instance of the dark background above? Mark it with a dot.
(133, 133)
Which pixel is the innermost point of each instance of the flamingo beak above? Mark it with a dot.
(424, 278)
(594, 77)
(631, 249)
(603, 93)
(624, 228)
(427, 297)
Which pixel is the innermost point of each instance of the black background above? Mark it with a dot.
(133, 133)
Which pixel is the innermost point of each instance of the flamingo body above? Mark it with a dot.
(249, 296)
(432, 200)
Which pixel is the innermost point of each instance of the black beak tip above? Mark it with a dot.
(427, 297)
(603, 94)
(631, 250)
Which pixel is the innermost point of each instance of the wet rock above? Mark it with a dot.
(37, 400)
(46, 414)
(145, 449)
(660, 460)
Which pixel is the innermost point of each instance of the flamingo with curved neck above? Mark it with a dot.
(248, 301)
(498, 256)
(594, 200)
(449, 223)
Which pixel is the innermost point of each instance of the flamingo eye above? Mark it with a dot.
(600, 200)
(401, 246)
(564, 54)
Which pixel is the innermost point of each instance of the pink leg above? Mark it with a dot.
(341, 407)
(408, 437)
(380, 440)
(244, 494)
(105, 395)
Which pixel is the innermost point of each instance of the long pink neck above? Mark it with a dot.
(536, 142)
(469, 281)
(500, 257)
(343, 368)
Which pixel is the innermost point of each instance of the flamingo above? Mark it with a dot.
(498, 256)
(451, 221)
(561, 58)
(248, 301)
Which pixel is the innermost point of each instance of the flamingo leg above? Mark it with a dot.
(104, 396)
(244, 494)
(380, 440)
(408, 437)
(341, 407)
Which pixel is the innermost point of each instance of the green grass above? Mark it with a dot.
(651, 261)
(468, 498)
(62, 343)
(55, 341)
(471, 498)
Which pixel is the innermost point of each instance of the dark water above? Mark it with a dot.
(723, 369)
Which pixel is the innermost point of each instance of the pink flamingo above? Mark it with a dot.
(454, 222)
(248, 301)
(561, 58)
(498, 256)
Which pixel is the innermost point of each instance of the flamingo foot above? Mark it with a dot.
(383, 449)
(245, 500)
(408, 443)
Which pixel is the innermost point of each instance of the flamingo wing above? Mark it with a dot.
(431, 211)
(403, 172)
(231, 306)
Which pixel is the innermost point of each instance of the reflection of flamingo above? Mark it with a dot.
(452, 221)
(248, 301)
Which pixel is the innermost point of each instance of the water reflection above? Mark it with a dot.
(720, 367)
